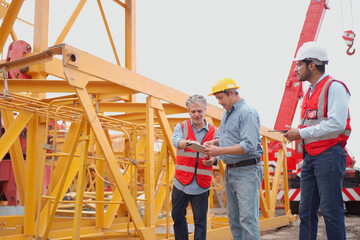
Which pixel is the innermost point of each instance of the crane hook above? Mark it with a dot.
(349, 37)
(348, 51)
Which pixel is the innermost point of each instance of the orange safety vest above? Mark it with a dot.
(313, 111)
(189, 162)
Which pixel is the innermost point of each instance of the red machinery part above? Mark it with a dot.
(17, 50)
(7, 182)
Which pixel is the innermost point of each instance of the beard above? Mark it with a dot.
(305, 76)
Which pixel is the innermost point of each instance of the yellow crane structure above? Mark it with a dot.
(98, 101)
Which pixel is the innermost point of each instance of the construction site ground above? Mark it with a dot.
(352, 224)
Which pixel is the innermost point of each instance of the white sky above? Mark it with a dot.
(188, 45)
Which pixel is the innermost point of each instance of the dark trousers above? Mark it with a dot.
(321, 186)
(199, 203)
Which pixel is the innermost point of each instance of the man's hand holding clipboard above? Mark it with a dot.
(200, 148)
(195, 146)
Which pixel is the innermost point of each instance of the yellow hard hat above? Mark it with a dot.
(223, 84)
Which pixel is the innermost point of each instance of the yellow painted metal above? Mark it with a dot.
(39, 156)
(41, 27)
(111, 161)
(100, 190)
(266, 184)
(12, 132)
(70, 22)
(84, 144)
(138, 175)
(48, 212)
(17, 159)
(130, 35)
(276, 183)
(166, 132)
(29, 213)
(9, 21)
(285, 182)
(69, 147)
(108, 32)
(149, 217)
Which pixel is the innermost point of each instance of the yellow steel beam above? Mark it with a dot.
(41, 25)
(160, 162)
(84, 144)
(275, 222)
(99, 68)
(68, 146)
(88, 74)
(54, 68)
(110, 157)
(70, 22)
(264, 131)
(13, 132)
(61, 86)
(108, 32)
(29, 214)
(27, 61)
(99, 189)
(264, 142)
(137, 107)
(276, 182)
(3, 9)
(113, 208)
(163, 191)
(165, 127)
(167, 192)
(66, 175)
(130, 35)
(39, 156)
(41, 29)
(263, 205)
(150, 162)
(285, 180)
(9, 20)
(17, 158)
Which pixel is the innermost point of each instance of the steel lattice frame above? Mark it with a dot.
(137, 175)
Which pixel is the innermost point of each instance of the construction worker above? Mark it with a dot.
(239, 146)
(192, 178)
(324, 130)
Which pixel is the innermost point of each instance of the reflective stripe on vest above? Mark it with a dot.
(192, 170)
(188, 162)
(190, 154)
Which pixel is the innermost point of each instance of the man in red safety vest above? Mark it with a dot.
(192, 177)
(324, 130)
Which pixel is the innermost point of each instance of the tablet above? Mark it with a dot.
(197, 147)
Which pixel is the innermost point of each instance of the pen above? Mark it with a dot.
(282, 131)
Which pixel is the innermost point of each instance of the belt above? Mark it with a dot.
(244, 163)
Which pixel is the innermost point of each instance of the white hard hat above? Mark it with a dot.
(312, 51)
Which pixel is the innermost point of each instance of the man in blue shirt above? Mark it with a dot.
(192, 178)
(239, 146)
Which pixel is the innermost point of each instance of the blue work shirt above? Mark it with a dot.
(193, 188)
(241, 125)
(338, 104)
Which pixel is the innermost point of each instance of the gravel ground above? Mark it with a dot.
(352, 224)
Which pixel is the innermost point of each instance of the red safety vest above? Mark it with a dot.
(189, 162)
(313, 111)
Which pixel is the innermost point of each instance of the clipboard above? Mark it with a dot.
(197, 147)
